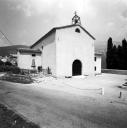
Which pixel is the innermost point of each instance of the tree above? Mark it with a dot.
(119, 55)
(114, 57)
(110, 44)
(109, 56)
(1, 63)
(124, 54)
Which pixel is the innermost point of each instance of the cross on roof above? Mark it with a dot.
(76, 19)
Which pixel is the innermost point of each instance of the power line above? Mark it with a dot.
(6, 37)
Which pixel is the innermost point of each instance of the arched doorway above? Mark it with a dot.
(76, 68)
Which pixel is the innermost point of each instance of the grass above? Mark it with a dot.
(17, 78)
(9, 119)
(115, 71)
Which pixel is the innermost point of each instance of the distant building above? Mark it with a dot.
(66, 50)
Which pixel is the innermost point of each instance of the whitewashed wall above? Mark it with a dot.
(48, 56)
(98, 64)
(24, 60)
(70, 46)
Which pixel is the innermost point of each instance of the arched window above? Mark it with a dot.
(77, 30)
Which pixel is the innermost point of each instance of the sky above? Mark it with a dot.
(25, 21)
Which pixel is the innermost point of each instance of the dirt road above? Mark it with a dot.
(55, 109)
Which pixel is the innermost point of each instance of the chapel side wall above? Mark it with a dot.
(71, 46)
(48, 56)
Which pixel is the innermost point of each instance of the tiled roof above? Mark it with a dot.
(23, 50)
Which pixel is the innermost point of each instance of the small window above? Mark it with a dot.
(33, 55)
(42, 47)
(95, 68)
(77, 30)
(33, 63)
(95, 58)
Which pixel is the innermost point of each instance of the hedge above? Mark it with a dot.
(7, 68)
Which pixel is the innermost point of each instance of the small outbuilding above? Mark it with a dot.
(28, 58)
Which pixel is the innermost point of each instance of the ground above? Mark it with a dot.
(10, 119)
(71, 102)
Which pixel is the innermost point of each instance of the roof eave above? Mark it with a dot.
(54, 29)
(43, 37)
(29, 51)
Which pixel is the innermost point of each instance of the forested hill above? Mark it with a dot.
(7, 50)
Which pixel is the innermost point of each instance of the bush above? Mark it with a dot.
(39, 68)
(1, 63)
(15, 70)
(17, 78)
(24, 72)
(7, 68)
(8, 63)
(33, 71)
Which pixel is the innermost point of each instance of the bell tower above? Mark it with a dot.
(76, 19)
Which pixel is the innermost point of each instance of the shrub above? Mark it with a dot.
(25, 71)
(33, 71)
(17, 78)
(8, 63)
(7, 68)
(1, 63)
(39, 68)
(15, 70)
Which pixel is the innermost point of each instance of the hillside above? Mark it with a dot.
(7, 50)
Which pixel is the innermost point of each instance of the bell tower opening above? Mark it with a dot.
(76, 19)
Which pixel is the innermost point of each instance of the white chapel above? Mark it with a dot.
(66, 50)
